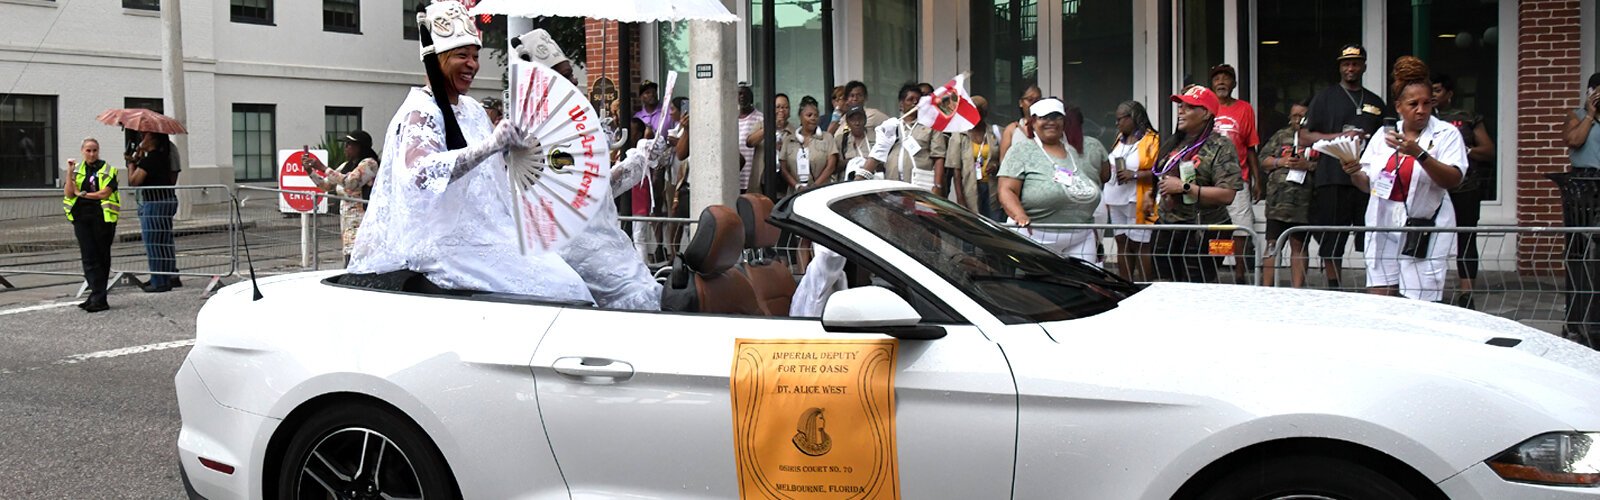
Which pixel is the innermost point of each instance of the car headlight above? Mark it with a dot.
(1557, 458)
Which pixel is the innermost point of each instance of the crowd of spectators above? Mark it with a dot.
(1425, 163)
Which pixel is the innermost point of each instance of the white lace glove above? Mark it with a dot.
(628, 172)
(523, 158)
(505, 134)
(435, 171)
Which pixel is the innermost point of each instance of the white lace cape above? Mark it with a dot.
(604, 255)
(451, 221)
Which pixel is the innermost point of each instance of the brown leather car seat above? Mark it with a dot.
(705, 272)
(767, 268)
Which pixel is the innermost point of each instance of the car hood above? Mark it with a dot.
(1310, 317)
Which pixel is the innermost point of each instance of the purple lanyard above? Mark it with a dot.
(1173, 161)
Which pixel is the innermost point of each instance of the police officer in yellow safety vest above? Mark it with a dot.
(92, 205)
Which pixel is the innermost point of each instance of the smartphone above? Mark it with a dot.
(1392, 123)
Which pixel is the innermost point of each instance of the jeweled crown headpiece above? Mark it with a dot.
(449, 26)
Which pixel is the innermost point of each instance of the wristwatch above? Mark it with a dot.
(1185, 187)
(1423, 158)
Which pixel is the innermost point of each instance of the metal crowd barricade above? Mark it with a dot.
(1542, 277)
(659, 240)
(291, 242)
(1172, 252)
(197, 241)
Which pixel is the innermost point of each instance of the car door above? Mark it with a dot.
(638, 405)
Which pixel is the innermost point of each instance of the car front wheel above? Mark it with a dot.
(1305, 478)
(359, 452)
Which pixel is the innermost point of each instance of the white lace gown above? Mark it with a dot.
(604, 255)
(433, 213)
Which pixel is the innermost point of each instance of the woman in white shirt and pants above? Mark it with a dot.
(1408, 174)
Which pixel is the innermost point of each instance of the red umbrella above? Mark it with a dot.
(142, 120)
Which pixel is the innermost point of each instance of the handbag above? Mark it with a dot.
(1416, 243)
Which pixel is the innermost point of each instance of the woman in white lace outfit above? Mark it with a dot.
(603, 254)
(440, 205)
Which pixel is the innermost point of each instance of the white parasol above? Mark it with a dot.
(628, 11)
(562, 183)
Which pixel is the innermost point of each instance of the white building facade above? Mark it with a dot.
(260, 75)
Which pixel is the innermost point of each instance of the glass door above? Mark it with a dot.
(1297, 47)
(1097, 61)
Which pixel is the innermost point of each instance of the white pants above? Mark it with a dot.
(643, 241)
(1241, 211)
(1123, 214)
(1078, 243)
(922, 178)
(1421, 279)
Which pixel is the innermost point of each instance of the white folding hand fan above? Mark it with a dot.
(560, 183)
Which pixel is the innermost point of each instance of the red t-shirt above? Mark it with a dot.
(1237, 122)
(1401, 167)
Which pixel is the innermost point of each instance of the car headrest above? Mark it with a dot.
(754, 209)
(717, 243)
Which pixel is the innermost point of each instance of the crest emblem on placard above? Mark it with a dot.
(811, 436)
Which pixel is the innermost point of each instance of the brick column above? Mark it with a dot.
(603, 55)
(1548, 84)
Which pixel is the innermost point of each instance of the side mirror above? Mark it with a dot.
(872, 309)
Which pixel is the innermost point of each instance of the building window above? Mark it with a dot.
(251, 11)
(1202, 41)
(340, 121)
(1298, 49)
(1005, 54)
(889, 52)
(130, 138)
(408, 20)
(1097, 61)
(798, 49)
(142, 4)
(1462, 41)
(342, 16)
(674, 54)
(28, 141)
(255, 142)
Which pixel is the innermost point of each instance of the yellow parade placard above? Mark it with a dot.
(815, 419)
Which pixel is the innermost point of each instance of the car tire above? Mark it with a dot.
(1305, 478)
(349, 451)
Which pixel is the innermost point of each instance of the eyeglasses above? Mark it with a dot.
(1123, 117)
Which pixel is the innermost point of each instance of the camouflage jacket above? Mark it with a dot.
(1217, 165)
(1286, 201)
(1479, 174)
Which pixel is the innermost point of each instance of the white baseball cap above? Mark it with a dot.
(1045, 107)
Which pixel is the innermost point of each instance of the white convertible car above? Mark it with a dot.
(1018, 374)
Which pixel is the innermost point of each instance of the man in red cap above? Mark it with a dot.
(1342, 109)
(1237, 120)
(1199, 172)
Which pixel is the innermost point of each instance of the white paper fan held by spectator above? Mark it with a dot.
(558, 184)
(1345, 148)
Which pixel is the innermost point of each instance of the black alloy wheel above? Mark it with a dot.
(362, 452)
(1305, 478)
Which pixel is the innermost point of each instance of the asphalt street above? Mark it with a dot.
(86, 400)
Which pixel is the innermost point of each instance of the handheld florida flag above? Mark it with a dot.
(950, 108)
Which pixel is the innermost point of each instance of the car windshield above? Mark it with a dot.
(1011, 276)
